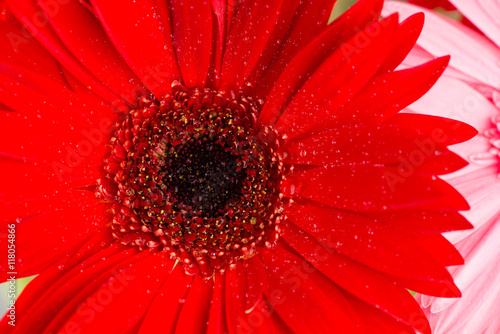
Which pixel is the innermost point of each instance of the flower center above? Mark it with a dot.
(204, 176)
(494, 135)
(191, 175)
(491, 157)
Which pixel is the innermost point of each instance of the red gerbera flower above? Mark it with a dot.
(251, 169)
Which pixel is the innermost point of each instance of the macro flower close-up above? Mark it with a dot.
(469, 90)
(222, 166)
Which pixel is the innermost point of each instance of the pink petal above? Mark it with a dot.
(480, 188)
(454, 99)
(479, 283)
(484, 14)
(442, 36)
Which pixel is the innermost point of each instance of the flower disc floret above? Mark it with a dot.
(195, 178)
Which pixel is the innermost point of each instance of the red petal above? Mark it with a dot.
(142, 36)
(377, 322)
(295, 288)
(445, 163)
(19, 83)
(22, 50)
(388, 94)
(256, 282)
(262, 320)
(43, 94)
(195, 311)
(28, 205)
(235, 290)
(431, 288)
(4, 108)
(284, 24)
(123, 299)
(101, 240)
(71, 279)
(193, 38)
(223, 13)
(6, 15)
(95, 244)
(361, 15)
(58, 130)
(372, 188)
(246, 312)
(367, 242)
(252, 26)
(88, 42)
(439, 248)
(423, 221)
(168, 302)
(72, 287)
(30, 15)
(34, 181)
(225, 10)
(372, 287)
(445, 130)
(44, 239)
(338, 79)
(404, 40)
(217, 318)
(360, 145)
(62, 146)
(311, 219)
(311, 17)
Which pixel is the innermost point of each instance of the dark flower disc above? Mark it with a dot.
(194, 176)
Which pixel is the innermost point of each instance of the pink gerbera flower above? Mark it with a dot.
(468, 91)
(221, 166)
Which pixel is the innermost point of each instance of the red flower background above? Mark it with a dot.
(358, 207)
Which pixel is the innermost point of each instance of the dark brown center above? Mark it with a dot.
(203, 176)
(192, 175)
